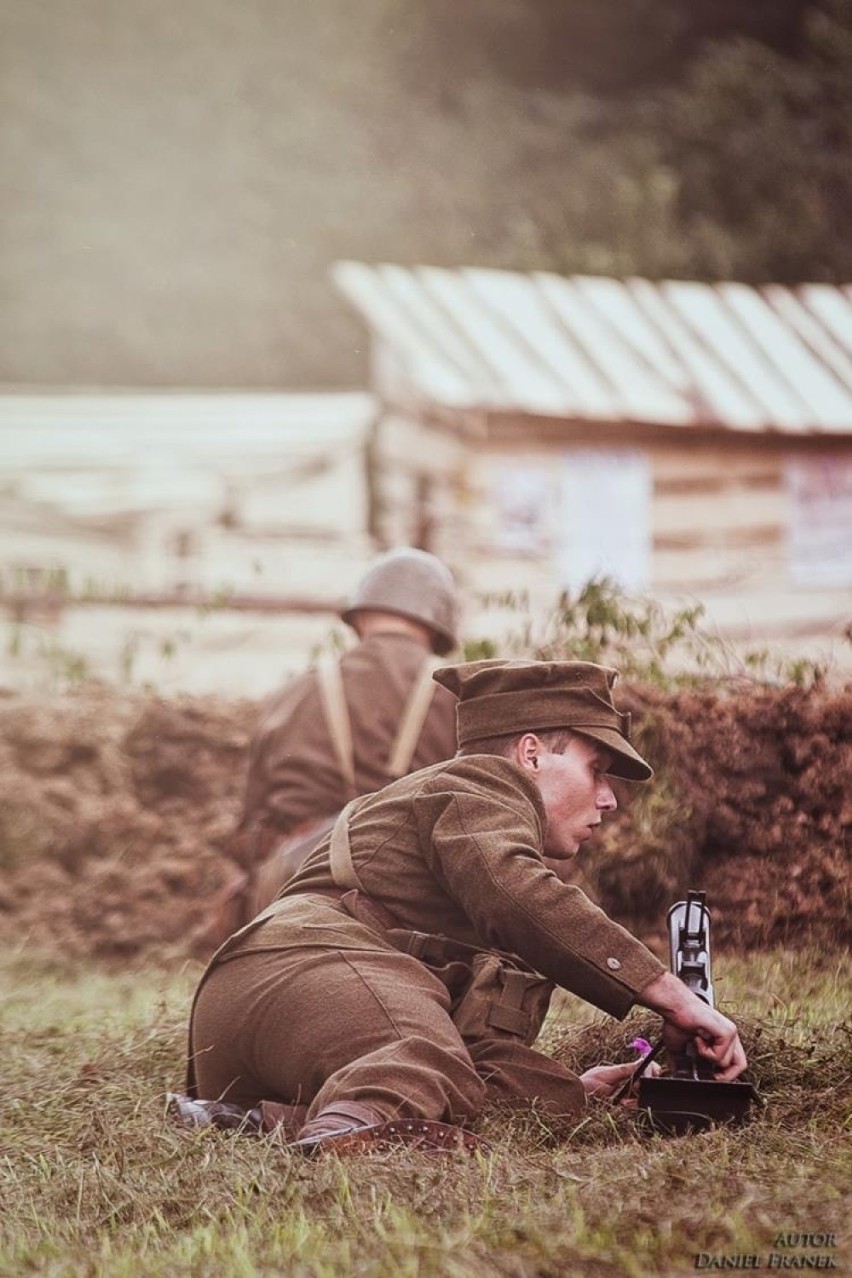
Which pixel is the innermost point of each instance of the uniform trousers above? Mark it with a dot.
(316, 1009)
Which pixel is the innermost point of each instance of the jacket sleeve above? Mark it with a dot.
(483, 838)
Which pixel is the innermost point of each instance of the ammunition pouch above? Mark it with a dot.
(493, 994)
(501, 1000)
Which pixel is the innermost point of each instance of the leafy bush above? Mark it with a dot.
(643, 640)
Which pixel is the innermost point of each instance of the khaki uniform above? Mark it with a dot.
(316, 1005)
(295, 783)
(293, 774)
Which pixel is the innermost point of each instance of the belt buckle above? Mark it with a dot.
(418, 944)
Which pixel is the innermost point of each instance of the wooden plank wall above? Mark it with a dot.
(416, 471)
(719, 519)
(716, 516)
(248, 493)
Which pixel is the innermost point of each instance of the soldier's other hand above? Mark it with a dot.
(603, 1081)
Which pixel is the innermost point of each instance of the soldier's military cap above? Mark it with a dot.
(499, 697)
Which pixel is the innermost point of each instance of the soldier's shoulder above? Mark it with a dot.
(488, 774)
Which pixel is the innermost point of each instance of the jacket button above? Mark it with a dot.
(613, 964)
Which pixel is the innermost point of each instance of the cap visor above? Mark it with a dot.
(627, 763)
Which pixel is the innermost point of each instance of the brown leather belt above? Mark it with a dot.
(429, 947)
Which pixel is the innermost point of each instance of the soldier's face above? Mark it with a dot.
(576, 793)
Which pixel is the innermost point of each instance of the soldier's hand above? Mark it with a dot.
(688, 1018)
(603, 1081)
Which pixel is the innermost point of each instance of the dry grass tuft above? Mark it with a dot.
(97, 1181)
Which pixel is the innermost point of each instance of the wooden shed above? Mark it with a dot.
(691, 441)
(193, 540)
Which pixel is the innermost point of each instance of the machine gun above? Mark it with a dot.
(690, 1098)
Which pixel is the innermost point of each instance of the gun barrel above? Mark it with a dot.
(690, 1098)
(689, 944)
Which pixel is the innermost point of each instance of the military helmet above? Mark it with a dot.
(413, 584)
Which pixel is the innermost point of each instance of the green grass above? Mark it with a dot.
(97, 1181)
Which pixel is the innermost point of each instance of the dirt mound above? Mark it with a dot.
(115, 811)
(115, 814)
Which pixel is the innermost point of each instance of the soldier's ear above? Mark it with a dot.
(527, 751)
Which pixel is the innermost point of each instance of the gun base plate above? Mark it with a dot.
(677, 1106)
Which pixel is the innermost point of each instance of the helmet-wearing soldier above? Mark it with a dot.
(346, 727)
(413, 585)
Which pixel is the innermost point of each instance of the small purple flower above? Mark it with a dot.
(642, 1046)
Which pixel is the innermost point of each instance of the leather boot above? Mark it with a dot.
(285, 1120)
(191, 1112)
(335, 1121)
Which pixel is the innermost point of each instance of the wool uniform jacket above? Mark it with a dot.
(294, 776)
(456, 849)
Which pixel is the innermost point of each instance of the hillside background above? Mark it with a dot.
(177, 179)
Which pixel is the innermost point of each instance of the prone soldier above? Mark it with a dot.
(403, 974)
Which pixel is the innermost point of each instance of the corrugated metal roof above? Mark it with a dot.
(670, 353)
